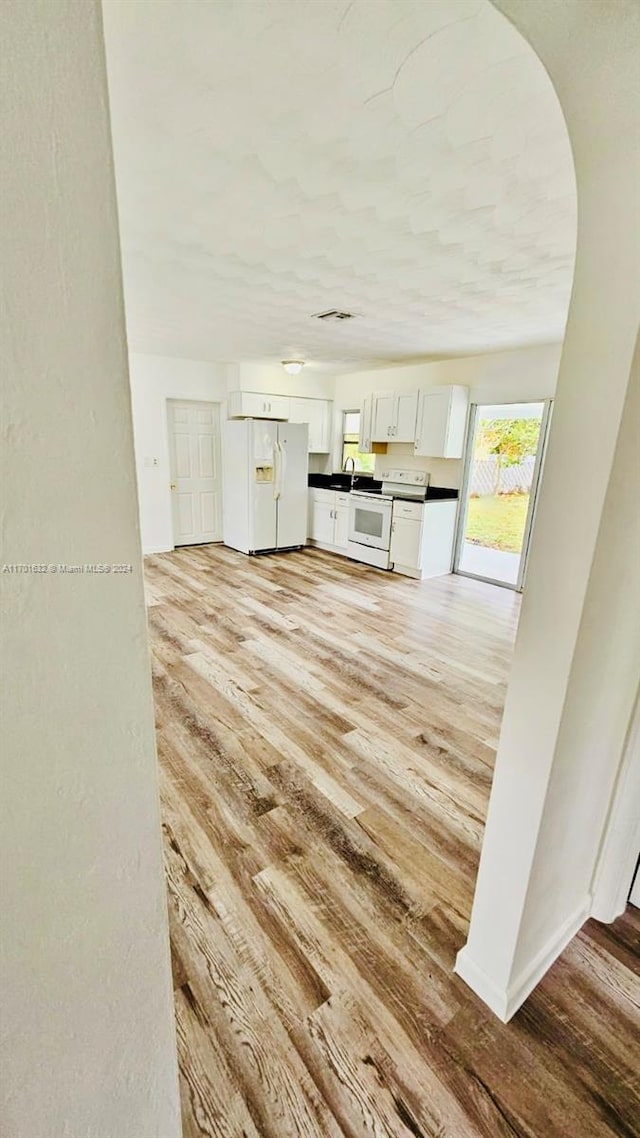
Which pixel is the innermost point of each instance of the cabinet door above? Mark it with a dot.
(315, 412)
(318, 426)
(341, 528)
(442, 421)
(384, 417)
(458, 413)
(366, 414)
(298, 410)
(301, 411)
(254, 405)
(433, 423)
(322, 508)
(406, 412)
(277, 406)
(405, 542)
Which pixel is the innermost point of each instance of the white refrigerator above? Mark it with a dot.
(264, 484)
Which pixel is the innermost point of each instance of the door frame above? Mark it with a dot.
(616, 873)
(533, 498)
(169, 401)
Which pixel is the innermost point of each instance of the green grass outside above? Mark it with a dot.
(497, 521)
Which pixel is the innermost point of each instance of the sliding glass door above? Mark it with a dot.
(502, 471)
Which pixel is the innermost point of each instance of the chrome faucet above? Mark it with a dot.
(350, 459)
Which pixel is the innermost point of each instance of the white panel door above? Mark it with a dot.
(196, 485)
(291, 483)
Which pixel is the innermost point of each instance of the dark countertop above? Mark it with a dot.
(365, 482)
(441, 493)
(343, 482)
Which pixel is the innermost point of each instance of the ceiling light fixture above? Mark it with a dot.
(293, 367)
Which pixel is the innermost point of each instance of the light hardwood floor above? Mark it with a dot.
(326, 736)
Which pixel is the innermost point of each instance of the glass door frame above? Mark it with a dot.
(533, 497)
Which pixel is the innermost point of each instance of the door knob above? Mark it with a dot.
(173, 486)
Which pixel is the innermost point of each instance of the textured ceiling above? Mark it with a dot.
(405, 161)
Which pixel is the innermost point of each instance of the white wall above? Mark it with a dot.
(88, 1045)
(154, 380)
(599, 703)
(311, 382)
(575, 671)
(499, 377)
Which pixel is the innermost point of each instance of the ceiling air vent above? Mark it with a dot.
(333, 314)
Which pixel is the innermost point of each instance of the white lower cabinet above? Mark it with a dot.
(406, 538)
(329, 518)
(341, 520)
(422, 537)
(321, 522)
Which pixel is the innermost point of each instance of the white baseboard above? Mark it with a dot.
(490, 994)
(504, 1002)
(531, 975)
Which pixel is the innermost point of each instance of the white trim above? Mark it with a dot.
(504, 1002)
(527, 979)
(461, 521)
(620, 849)
(541, 452)
(634, 896)
(493, 996)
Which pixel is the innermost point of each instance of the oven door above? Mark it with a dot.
(369, 521)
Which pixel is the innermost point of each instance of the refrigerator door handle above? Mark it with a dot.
(283, 466)
(277, 483)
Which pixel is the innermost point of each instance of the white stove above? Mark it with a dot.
(370, 514)
(405, 483)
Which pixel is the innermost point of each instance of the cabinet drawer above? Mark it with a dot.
(342, 499)
(320, 495)
(411, 510)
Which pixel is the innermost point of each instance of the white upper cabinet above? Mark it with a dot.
(394, 417)
(366, 424)
(442, 422)
(317, 413)
(405, 420)
(383, 416)
(254, 405)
